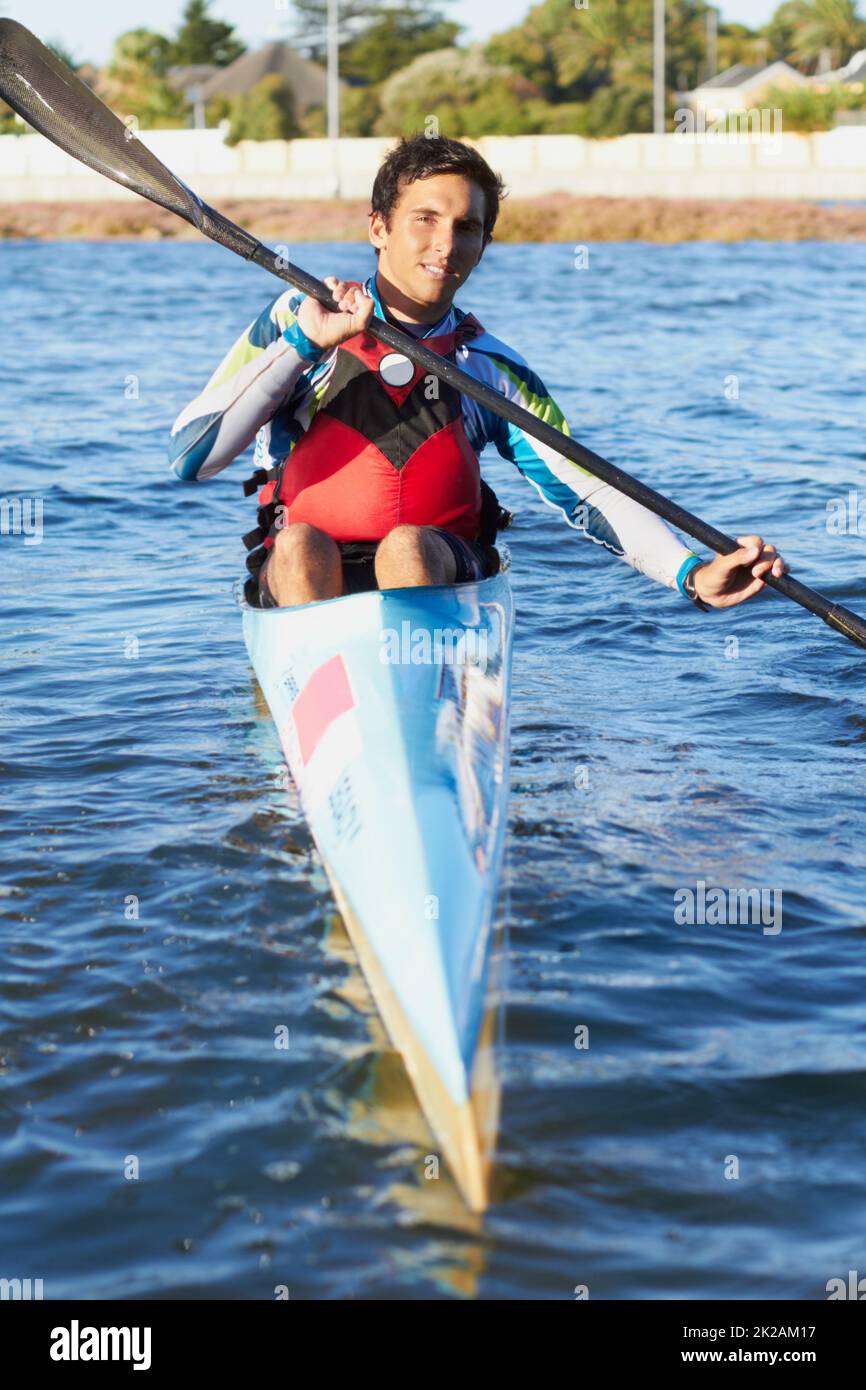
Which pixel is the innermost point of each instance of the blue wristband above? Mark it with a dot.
(691, 589)
(690, 563)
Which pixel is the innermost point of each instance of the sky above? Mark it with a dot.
(88, 27)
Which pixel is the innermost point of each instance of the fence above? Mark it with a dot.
(829, 165)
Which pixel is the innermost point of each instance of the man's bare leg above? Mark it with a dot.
(304, 566)
(414, 555)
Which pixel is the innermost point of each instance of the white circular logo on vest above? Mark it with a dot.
(396, 370)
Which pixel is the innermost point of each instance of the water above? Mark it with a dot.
(165, 912)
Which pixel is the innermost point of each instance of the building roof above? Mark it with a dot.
(852, 71)
(307, 80)
(745, 75)
(195, 75)
(856, 69)
(737, 76)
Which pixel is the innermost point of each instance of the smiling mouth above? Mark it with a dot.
(438, 272)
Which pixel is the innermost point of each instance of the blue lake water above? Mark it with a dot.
(164, 911)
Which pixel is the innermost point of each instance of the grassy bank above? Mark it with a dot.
(558, 217)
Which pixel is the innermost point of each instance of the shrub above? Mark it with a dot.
(464, 92)
(805, 109)
(267, 112)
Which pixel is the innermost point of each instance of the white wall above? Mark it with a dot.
(828, 165)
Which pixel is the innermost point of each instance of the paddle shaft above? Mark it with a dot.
(56, 102)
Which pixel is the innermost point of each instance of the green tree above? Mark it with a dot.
(780, 31)
(267, 112)
(201, 39)
(376, 38)
(533, 47)
(463, 91)
(134, 83)
(739, 44)
(560, 118)
(825, 26)
(360, 109)
(805, 109)
(617, 110)
(570, 52)
(9, 121)
(311, 23)
(686, 41)
(399, 36)
(606, 44)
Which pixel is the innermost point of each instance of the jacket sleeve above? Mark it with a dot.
(261, 370)
(600, 513)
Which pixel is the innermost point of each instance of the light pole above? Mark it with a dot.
(659, 67)
(195, 97)
(712, 41)
(333, 70)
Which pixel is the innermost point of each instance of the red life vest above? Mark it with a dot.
(385, 447)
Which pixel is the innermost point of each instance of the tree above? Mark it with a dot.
(606, 44)
(617, 110)
(739, 44)
(465, 93)
(267, 112)
(10, 123)
(572, 52)
(394, 40)
(805, 109)
(135, 85)
(201, 39)
(781, 30)
(825, 26)
(359, 112)
(376, 39)
(311, 27)
(532, 48)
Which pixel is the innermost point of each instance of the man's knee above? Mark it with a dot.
(413, 555)
(403, 537)
(300, 543)
(304, 566)
(417, 542)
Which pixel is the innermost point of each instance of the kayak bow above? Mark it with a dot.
(392, 708)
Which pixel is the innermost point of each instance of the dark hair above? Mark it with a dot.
(421, 157)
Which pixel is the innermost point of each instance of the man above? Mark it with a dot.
(370, 468)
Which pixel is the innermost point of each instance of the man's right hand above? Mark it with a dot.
(327, 329)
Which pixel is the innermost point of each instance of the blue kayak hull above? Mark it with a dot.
(392, 708)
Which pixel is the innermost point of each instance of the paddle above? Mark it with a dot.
(53, 100)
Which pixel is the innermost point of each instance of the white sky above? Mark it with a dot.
(88, 27)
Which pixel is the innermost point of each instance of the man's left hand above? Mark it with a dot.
(731, 579)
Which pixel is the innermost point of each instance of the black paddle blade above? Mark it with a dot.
(60, 106)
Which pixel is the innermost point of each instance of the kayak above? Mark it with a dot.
(392, 708)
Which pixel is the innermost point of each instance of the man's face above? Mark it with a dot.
(435, 240)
